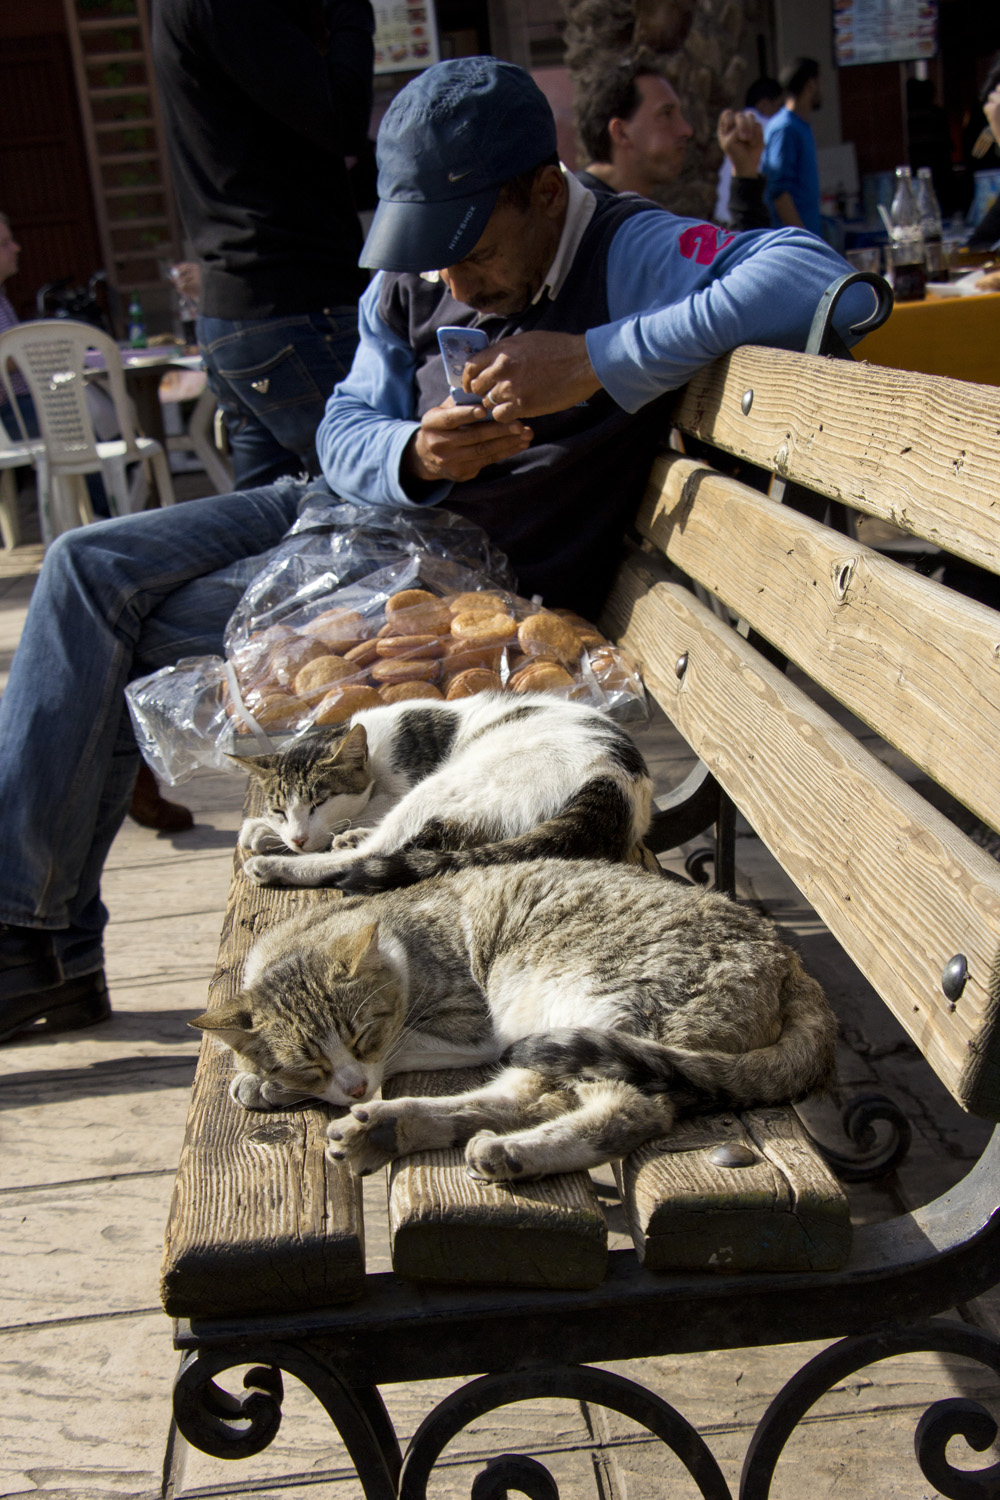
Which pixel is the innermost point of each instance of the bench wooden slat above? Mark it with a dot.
(928, 668)
(918, 451)
(900, 887)
(445, 1227)
(261, 1220)
(784, 1212)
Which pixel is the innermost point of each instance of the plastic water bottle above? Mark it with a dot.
(907, 241)
(136, 323)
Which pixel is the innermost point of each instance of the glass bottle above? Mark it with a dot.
(906, 249)
(928, 206)
(136, 323)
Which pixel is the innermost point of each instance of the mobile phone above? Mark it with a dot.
(457, 347)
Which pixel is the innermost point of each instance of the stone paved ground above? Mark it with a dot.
(91, 1130)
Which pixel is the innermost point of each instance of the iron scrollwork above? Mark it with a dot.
(577, 1382)
(227, 1426)
(940, 1423)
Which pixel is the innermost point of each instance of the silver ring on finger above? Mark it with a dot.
(488, 400)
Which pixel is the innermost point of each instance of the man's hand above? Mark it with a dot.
(532, 374)
(455, 442)
(742, 139)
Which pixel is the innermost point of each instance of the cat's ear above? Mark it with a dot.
(260, 766)
(360, 947)
(231, 1022)
(353, 748)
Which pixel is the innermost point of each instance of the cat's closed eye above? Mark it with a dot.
(320, 802)
(277, 812)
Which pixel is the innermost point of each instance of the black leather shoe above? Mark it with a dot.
(70, 1005)
(28, 962)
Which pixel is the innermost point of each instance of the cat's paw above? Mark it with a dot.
(365, 1139)
(260, 838)
(488, 1158)
(349, 839)
(251, 1092)
(269, 869)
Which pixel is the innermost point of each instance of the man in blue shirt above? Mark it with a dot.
(789, 163)
(595, 308)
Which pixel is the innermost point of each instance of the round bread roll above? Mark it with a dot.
(417, 612)
(459, 656)
(363, 654)
(410, 645)
(409, 599)
(612, 671)
(276, 709)
(341, 702)
(339, 628)
(485, 602)
(588, 633)
(545, 634)
(483, 630)
(433, 618)
(541, 677)
(288, 658)
(399, 692)
(475, 680)
(319, 675)
(400, 669)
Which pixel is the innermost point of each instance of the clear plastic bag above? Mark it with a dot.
(311, 643)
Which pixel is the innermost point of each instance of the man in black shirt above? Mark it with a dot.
(264, 101)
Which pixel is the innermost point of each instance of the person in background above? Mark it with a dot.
(764, 98)
(632, 127)
(10, 252)
(986, 234)
(148, 806)
(265, 101)
(790, 164)
(633, 130)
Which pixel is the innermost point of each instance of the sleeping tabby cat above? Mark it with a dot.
(481, 780)
(610, 999)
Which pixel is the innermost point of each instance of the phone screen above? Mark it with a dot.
(457, 347)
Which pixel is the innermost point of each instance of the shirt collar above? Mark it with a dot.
(580, 206)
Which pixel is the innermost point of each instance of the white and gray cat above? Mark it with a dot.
(610, 1000)
(440, 786)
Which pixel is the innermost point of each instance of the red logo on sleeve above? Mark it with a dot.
(702, 243)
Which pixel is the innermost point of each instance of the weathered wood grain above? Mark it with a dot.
(911, 658)
(446, 1227)
(784, 1211)
(899, 886)
(261, 1220)
(916, 450)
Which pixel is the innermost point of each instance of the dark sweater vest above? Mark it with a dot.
(559, 509)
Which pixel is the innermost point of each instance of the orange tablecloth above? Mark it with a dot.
(957, 336)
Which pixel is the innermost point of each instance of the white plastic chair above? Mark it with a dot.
(15, 453)
(50, 354)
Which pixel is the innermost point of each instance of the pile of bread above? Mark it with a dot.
(420, 646)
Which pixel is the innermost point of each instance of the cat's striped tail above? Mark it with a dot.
(601, 821)
(799, 1062)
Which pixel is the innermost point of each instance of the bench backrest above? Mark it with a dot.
(913, 899)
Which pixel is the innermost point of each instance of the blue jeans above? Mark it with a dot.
(113, 601)
(272, 378)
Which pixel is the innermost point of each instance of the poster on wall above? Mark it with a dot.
(874, 31)
(406, 36)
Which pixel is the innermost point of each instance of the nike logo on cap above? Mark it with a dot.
(457, 176)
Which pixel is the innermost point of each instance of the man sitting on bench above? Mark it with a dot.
(594, 307)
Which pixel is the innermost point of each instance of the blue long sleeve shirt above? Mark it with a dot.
(658, 297)
(790, 165)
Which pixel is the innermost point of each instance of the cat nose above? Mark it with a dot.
(299, 843)
(358, 1092)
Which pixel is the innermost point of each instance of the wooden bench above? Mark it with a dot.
(721, 589)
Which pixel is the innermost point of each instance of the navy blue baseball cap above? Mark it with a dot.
(448, 141)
